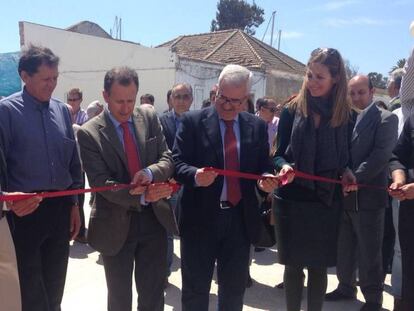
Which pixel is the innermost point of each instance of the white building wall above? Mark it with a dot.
(84, 60)
(202, 76)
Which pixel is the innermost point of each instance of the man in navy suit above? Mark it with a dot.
(181, 98)
(220, 216)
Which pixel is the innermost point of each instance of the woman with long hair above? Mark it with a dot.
(313, 138)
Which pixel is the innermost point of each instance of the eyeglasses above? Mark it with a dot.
(221, 99)
(271, 109)
(328, 51)
(182, 96)
(73, 99)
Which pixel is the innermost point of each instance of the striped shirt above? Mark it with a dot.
(407, 88)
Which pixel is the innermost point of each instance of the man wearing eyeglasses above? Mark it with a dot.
(220, 216)
(181, 100)
(75, 97)
(266, 110)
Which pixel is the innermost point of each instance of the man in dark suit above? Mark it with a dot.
(129, 227)
(181, 98)
(220, 216)
(362, 221)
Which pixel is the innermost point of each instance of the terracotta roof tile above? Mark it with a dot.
(233, 46)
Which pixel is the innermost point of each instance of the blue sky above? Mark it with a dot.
(372, 34)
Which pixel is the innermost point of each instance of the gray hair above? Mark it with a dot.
(396, 77)
(186, 85)
(397, 73)
(93, 109)
(236, 75)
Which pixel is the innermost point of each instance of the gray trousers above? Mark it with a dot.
(143, 255)
(360, 246)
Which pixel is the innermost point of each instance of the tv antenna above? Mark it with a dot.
(116, 30)
(272, 19)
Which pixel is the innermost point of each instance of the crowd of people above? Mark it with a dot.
(333, 129)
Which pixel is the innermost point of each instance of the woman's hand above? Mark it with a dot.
(286, 174)
(348, 182)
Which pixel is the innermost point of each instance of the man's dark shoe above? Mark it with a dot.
(336, 295)
(371, 306)
(397, 305)
(81, 239)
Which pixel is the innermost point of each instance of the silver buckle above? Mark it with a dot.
(224, 205)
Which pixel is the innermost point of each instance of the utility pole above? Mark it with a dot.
(116, 30)
(120, 28)
(280, 36)
(273, 26)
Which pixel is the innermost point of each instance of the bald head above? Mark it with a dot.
(361, 91)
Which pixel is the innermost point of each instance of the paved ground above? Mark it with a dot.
(86, 288)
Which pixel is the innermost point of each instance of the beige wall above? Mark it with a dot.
(84, 60)
(203, 76)
(282, 85)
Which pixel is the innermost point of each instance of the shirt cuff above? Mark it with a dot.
(149, 174)
(3, 205)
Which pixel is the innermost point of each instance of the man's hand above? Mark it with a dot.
(396, 192)
(141, 179)
(75, 222)
(204, 178)
(348, 182)
(408, 191)
(155, 192)
(268, 183)
(286, 174)
(24, 207)
(398, 181)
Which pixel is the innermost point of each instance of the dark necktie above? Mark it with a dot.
(231, 159)
(131, 151)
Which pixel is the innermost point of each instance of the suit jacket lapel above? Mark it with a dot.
(171, 125)
(246, 134)
(140, 134)
(108, 131)
(212, 128)
(365, 122)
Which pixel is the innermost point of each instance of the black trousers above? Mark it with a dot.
(360, 246)
(81, 200)
(41, 240)
(389, 240)
(406, 235)
(146, 248)
(226, 242)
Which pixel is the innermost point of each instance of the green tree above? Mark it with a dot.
(400, 64)
(237, 14)
(351, 70)
(378, 80)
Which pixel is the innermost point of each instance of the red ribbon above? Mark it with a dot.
(115, 187)
(283, 180)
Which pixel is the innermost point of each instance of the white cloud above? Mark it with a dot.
(358, 21)
(286, 35)
(401, 2)
(336, 5)
(291, 34)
